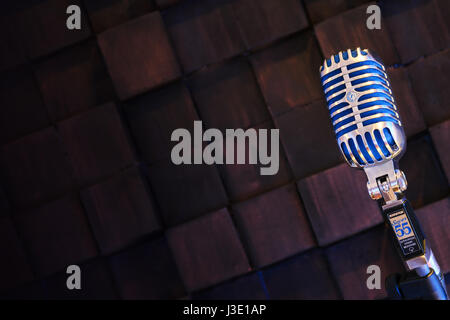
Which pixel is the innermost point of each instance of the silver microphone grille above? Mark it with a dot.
(362, 109)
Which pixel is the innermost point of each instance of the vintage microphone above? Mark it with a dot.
(370, 136)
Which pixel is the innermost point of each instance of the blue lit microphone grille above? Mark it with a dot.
(361, 107)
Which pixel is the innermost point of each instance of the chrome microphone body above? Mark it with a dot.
(370, 135)
(365, 119)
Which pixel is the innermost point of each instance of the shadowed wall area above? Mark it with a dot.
(86, 177)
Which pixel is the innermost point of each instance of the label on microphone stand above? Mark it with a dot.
(404, 232)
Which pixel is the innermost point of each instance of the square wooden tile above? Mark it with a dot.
(429, 78)
(203, 32)
(307, 136)
(139, 55)
(273, 225)
(338, 204)
(184, 192)
(155, 115)
(426, 181)
(263, 21)
(320, 10)
(120, 210)
(74, 81)
(97, 143)
(96, 284)
(288, 73)
(243, 181)
(349, 31)
(105, 14)
(57, 235)
(349, 260)
(434, 220)
(228, 96)
(207, 250)
(417, 27)
(304, 277)
(43, 24)
(147, 271)
(35, 168)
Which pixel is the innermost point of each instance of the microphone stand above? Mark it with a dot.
(423, 279)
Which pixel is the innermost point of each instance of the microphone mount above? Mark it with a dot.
(386, 182)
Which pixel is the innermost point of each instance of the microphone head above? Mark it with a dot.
(362, 108)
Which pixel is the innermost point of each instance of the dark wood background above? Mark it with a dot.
(85, 123)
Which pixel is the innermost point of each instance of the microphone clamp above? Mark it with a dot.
(386, 182)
